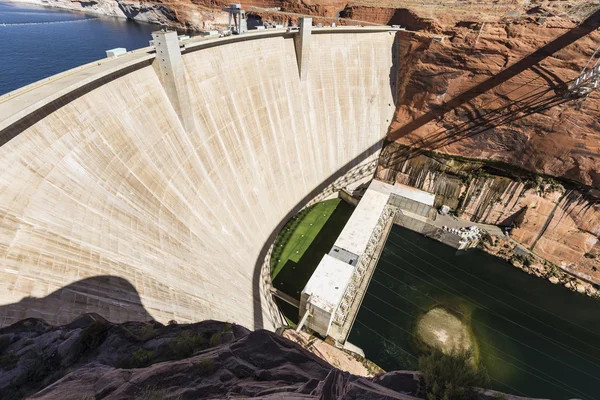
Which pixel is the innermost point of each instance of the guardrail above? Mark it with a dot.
(364, 261)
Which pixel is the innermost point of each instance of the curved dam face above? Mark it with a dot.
(110, 203)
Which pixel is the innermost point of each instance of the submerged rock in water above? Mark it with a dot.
(440, 329)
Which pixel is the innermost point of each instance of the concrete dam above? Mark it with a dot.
(143, 187)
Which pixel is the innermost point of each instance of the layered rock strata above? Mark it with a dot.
(558, 220)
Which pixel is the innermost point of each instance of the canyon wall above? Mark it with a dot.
(174, 13)
(557, 220)
(522, 119)
(414, 15)
(199, 14)
(109, 205)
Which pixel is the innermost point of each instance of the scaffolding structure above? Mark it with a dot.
(589, 78)
(237, 19)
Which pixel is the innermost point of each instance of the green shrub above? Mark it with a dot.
(452, 376)
(139, 359)
(590, 255)
(40, 373)
(142, 358)
(90, 339)
(523, 259)
(4, 343)
(154, 394)
(215, 339)
(205, 367)
(186, 344)
(8, 361)
(147, 332)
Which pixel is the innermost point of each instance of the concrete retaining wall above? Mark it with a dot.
(109, 205)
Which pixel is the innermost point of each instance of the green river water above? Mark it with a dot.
(536, 339)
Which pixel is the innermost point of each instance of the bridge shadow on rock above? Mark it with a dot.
(531, 104)
(112, 297)
(515, 220)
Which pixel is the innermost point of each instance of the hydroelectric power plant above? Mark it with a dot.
(264, 178)
(157, 180)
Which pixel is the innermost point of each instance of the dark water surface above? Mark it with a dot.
(535, 338)
(35, 51)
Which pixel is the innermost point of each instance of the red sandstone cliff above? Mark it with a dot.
(559, 222)
(506, 122)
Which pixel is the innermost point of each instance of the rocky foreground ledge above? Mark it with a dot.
(92, 358)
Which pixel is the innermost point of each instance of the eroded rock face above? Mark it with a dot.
(522, 120)
(34, 354)
(559, 222)
(93, 358)
(206, 360)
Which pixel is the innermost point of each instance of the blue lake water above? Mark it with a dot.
(30, 51)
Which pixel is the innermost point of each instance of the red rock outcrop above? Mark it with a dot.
(94, 358)
(391, 16)
(522, 120)
(559, 222)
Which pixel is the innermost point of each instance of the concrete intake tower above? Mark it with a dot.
(152, 185)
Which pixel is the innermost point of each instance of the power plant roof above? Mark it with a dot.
(328, 283)
(359, 228)
(405, 191)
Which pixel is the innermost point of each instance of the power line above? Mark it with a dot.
(497, 287)
(502, 317)
(487, 326)
(434, 140)
(483, 324)
(490, 296)
(558, 344)
(528, 372)
(387, 340)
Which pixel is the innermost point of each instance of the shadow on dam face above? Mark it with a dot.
(90, 187)
(91, 295)
(99, 294)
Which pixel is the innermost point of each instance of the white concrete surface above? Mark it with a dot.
(302, 43)
(107, 182)
(172, 75)
(324, 291)
(359, 228)
(118, 51)
(405, 191)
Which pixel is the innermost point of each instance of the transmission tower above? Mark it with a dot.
(589, 78)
